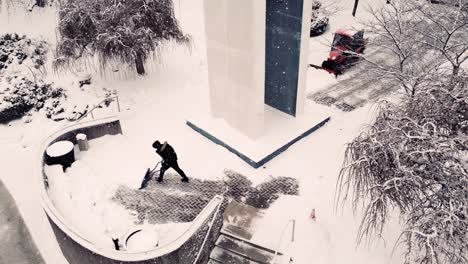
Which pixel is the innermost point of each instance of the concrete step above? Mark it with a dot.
(245, 249)
(212, 261)
(235, 236)
(228, 257)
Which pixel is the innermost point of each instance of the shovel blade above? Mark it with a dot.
(146, 179)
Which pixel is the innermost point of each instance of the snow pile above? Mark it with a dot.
(19, 95)
(83, 194)
(143, 239)
(59, 148)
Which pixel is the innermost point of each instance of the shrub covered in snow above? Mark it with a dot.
(316, 5)
(19, 95)
(22, 85)
(15, 49)
(123, 31)
(414, 158)
(319, 22)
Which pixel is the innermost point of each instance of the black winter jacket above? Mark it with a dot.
(167, 153)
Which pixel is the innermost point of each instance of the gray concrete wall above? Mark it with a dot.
(17, 245)
(76, 254)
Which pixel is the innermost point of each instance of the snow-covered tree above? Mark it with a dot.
(413, 158)
(415, 42)
(115, 30)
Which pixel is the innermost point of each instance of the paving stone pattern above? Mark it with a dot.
(176, 201)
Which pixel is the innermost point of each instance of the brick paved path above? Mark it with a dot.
(175, 201)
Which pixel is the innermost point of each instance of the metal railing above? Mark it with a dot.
(105, 101)
(293, 230)
(208, 233)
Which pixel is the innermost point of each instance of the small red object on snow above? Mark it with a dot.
(312, 214)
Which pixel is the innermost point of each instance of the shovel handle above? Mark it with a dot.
(155, 166)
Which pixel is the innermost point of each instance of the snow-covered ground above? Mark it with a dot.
(83, 194)
(156, 107)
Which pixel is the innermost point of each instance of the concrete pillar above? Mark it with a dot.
(82, 141)
(235, 31)
(257, 53)
(304, 57)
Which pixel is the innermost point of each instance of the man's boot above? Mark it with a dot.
(185, 179)
(159, 179)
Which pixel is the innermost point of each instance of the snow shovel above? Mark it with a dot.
(149, 175)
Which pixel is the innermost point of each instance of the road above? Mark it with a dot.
(351, 91)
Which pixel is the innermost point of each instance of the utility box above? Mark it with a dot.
(257, 55)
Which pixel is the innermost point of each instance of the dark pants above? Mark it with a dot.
(166, 165)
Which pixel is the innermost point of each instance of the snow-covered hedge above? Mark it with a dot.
(19, 95)
(15, 49)
(319, 22)
(22, 86)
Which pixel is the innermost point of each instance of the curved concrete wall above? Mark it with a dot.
(78, 249)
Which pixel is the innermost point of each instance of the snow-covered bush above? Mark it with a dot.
(316, 5)
(318, 25)
(319, 21)
(19, 95)
(15, 49)
(115, 30)
(22, 85)
(414, 158)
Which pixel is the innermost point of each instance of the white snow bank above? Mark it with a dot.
(145, 239)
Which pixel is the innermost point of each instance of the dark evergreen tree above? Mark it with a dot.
(119, 30)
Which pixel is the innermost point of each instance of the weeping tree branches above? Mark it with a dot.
(416, 43)
(124, 31)
(414, 158)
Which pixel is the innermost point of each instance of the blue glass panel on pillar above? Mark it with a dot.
(282, 53)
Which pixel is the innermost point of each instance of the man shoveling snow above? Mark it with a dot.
(169, 157)
(169, 160)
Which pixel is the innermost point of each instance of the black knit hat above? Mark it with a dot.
(156, 144)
